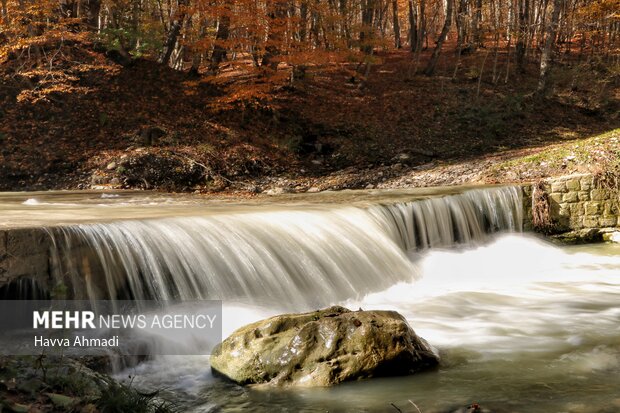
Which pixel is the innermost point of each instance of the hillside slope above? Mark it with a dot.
(80, 120)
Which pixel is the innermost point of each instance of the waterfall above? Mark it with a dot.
(450, 220)
(304, 258)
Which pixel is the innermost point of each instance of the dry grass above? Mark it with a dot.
(541, 210)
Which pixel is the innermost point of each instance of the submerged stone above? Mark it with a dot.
(322, 348)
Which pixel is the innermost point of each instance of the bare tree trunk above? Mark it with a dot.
(461, 32)
(223, 32)
(397, 40)
(486, 55)
(135, 24)
(331, 24)
(368, 14)
(176, 24)
(545, 59)
(538, 24)
(381, 21)
(92, 8)
(461, 24)
(432, 64)
(413, 26)
(315, 24)
(422, 26)
(162, 19)
(303, 23)
(198, 53)
(346, 27)
(419, 36)
(276, 33)
(508, 57)
(496, 34)
(478, 40)
(524, 11)
(194, 70)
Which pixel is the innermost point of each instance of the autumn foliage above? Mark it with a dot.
(253, 87)
(201, 35)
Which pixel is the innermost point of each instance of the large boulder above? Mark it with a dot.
(322, 348)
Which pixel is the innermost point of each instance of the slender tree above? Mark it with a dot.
(366, 33)
(421, 26)
(221, 37)
(92, 9)
(176, 24)
(432, 64)
(545, 59)
(524, 11)
(277, 10)
(395, 19)
(413, 26)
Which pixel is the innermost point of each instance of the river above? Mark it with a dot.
(521, 325)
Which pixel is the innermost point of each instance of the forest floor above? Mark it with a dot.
(75, 120)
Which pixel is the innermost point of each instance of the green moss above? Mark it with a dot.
(119, 398)
(600, 151)
(66, 384)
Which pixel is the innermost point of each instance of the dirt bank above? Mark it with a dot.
(87, 122)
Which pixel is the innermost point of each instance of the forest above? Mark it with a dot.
(291, 95)
(323, 180)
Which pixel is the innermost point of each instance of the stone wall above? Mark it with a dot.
(577, 203)
(24, 252)
(28, 260)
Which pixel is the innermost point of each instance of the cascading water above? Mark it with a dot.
(318, 256)
(458, 219)
(521, 325)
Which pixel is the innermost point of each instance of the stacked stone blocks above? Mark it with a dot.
(577, 202)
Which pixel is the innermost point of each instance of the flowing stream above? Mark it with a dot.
(319, 255)
(521, 325)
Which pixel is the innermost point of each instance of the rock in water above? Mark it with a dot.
(322, 348)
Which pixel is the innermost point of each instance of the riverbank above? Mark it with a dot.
(42, 384)
(87, 122)
(595, 155)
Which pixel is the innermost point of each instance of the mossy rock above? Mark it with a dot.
(322, 348)
(65, 384)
